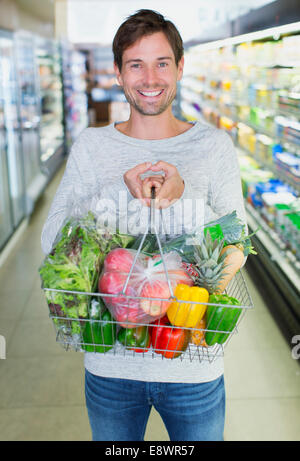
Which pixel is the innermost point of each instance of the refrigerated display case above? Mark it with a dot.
(75, 92)
(50, 97)
(249, 86)
(6, 223)
(12, 166)
(35, 180)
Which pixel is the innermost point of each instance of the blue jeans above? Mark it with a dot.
(119, 409)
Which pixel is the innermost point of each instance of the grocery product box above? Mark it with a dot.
(289, 164)
(269, 202)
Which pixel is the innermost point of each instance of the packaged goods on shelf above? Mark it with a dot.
(290, 50)
(261, 95)
(278, 193)
(294, 233)
(287, 224)
(242, 112)
(249, 181)
(280, 210)
(252, 53)
(269, 123)
(227, 124)
(289, 101)
(288, 163)
(259, 90)
(264, 148)
(226, 106)
(288, 129)
(247, 163)
(251, 175)
(226, 85)
(189, 112)
(262, 119)
(210, 115)
(75, 88)
(50, 97)
(246, 137)
(274, 185)
(270, 199)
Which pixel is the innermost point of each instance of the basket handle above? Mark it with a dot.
(151, 228)
(152, 210)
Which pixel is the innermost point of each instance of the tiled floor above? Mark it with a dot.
(42, 387)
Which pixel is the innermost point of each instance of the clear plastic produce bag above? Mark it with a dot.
(140, 284)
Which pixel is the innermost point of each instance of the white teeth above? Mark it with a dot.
(150, 93)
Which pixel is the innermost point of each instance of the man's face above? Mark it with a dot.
(149, 74)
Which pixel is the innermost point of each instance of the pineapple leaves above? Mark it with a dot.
(209, 264)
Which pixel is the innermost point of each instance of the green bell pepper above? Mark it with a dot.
(137, 339)
(100, 332)
(221, 318)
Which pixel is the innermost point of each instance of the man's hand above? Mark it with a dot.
(172, 188)
(133, 180)
(168, 188)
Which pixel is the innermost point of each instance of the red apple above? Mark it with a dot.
(128, 314)
(180, 276)
(119, 260)
(156, 289)
(122, 308)
(112, 283)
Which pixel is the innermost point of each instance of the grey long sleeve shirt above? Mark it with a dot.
(206, 160)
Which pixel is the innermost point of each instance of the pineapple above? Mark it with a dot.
(209, 264)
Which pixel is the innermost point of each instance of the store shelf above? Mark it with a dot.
(249, 87)
(191, 112)
(75, 89)
(209, 104)
(279, 295)
(275, 277)
(50, 97)
(275, 270)
(12, 165)
(271, 167)
(271, 241)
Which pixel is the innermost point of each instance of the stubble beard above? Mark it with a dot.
(150, 109)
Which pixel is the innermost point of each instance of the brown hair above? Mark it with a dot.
(145, 22)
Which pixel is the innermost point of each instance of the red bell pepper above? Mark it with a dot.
(168, 340)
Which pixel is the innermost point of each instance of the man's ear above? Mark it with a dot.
(180, 68)
(118, 74)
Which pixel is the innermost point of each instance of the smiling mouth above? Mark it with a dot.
(150, 94)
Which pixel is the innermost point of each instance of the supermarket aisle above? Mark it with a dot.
(41, 386)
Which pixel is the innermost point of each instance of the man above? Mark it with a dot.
(194, 161)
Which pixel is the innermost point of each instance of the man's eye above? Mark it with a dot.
(163, 64)
(135, 66)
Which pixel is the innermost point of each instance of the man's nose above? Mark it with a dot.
(150, 77)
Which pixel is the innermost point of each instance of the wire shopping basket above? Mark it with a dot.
(197, 330)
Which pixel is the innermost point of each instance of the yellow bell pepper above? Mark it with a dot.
(186, 314)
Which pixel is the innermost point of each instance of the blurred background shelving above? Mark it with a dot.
(250, 87)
